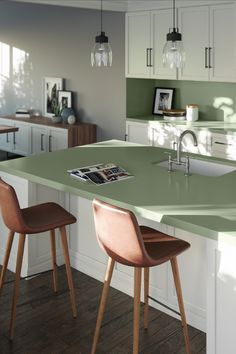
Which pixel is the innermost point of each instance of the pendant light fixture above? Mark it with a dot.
(101, 54)
(173, 51)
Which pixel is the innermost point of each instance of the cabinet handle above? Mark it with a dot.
(209, 63)
(14, 138)
(220, 143)
(50, 143)
(206, 55)
(126, 136)
(150, 57)
(147, 57)
(7, 138)
(42, 136)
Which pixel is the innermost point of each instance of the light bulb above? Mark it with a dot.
(174, 54)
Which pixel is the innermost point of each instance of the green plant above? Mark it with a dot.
(57, 109)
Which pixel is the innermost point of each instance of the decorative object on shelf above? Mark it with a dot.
(71, 119)
(192, 112)
(23, 113)
(173, 52)
(66, 112)
(162, 99)
(65, 99)
(56, 118)
(51, 86)
(101, 54)
(174, 114)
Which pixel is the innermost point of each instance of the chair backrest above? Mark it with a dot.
(10, 208)
(119, 235)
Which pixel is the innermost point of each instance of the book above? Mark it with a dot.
(100, 173)
(22, 113)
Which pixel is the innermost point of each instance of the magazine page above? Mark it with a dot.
(101, 173)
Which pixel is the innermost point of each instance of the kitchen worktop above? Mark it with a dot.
(200, 204)
(211, 125)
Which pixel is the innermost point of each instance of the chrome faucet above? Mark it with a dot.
(179, 144)
(178, 160)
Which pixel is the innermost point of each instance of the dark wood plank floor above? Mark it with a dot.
(45, 325)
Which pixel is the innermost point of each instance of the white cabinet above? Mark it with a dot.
(224, 146)
(209, 39)
(17, 142)
(47, 140)
(137, 132)
(145, 38)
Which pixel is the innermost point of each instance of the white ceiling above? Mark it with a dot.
(122, 5)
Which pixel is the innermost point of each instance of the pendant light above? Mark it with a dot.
(101, 54)
(173, 51)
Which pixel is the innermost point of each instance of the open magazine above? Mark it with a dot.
(100, 173)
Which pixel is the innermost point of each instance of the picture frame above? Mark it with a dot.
(163, 98)
(65, 99)
(51, 86)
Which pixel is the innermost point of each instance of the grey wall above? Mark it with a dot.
(58, 42)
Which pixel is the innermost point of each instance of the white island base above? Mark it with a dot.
(207, 270)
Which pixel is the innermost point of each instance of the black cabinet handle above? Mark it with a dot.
(126, 136)
(42, 136)
(14, 138)
(50, 143)
(7, 138)
(147, 57)
(150, 57)
(206, 55)
(209, 64)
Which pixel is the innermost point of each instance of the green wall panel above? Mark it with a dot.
(216, 101)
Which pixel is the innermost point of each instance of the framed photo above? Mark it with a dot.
(65, 99)
(51, 86)
(162, 99)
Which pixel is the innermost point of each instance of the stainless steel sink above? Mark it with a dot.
(205, 168)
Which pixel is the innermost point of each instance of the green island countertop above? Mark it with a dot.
(203, 205)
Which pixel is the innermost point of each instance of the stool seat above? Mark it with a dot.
(44, 217)
(161, 247)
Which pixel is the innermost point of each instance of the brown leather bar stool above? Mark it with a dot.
(33, 220)
(120, 236)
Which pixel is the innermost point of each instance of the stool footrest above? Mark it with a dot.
(167, 307)
(29, 276)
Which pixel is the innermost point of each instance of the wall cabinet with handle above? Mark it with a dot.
(209, 39)
(145, 38)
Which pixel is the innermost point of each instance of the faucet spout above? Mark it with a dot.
(185, 132)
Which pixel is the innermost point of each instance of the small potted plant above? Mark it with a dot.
(57, 113)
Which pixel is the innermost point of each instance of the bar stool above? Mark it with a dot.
(125, 242)
(33, 220)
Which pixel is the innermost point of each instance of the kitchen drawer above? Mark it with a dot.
(224, 146)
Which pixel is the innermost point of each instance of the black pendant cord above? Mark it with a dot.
(101, 16)
(173, 13)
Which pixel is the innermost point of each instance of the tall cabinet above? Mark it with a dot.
(209, 39)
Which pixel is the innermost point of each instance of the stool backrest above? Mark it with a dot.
(10, 208)
(119, 235)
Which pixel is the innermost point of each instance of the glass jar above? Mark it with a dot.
(191, 112)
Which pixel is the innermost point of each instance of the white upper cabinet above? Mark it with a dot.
(145, 38)
(138, 44)
(209, 42)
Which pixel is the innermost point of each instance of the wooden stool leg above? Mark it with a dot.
(6, 258)
(137, 290)
(20, 253)
(68, 269)
(176, 276)
(146, 293)
(54, 260)
(107, 281)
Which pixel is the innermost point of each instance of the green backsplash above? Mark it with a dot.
(216, 101)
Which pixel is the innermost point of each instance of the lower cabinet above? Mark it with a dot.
(47, 140)
(224, 146)
(18, 142)
(137, 132)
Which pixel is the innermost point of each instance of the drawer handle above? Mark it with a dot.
(220, 143)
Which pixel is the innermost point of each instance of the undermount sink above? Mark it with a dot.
(205, 168)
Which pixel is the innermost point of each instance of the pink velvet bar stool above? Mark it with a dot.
(125, 242)
(33, 220)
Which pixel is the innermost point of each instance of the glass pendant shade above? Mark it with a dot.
(101, 54)
(173, 52)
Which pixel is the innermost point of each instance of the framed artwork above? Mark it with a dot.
(51, 86)
(65, 99)
(162, 99)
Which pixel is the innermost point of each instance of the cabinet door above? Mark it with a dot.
(224, 146)
(137, 132)
(163, 135)
(194, 26)
(161, 21)
(22, 139)
(40, 139)
(138, 54)
(6, 140)
(223, 43)
(58, 139)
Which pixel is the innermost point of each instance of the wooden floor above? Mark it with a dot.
(44, 323)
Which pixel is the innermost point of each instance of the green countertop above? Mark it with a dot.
(199, 204)
(211, 125)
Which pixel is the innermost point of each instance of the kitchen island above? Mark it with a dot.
(199, 209)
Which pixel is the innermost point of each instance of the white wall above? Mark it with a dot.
(43, 40)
